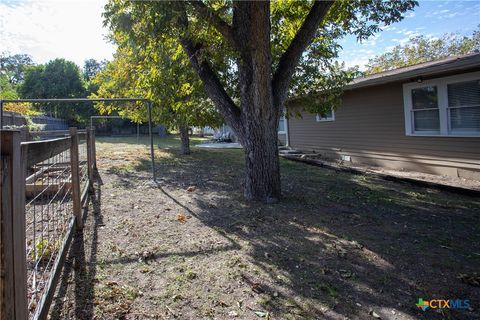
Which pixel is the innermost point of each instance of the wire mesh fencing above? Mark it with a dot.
(48, 219)
(47, 190)
(83, 151)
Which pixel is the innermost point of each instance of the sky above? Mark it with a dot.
(46, 30)
(73, 29)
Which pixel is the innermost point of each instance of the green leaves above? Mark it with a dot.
(151, 63)
(154, 67)
(421, 49)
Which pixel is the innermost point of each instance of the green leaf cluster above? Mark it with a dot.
(147, 34)
(420, 49)
(150, 63)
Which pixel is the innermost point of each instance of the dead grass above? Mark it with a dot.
(338, 246)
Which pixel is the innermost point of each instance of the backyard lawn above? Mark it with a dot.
(338, 245)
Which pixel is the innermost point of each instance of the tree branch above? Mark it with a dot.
(209, 15)
(212, 84)
(291, 57)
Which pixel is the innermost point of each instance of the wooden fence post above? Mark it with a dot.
(13, 272)
(74, 165)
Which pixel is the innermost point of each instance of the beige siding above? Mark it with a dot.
(370, 127)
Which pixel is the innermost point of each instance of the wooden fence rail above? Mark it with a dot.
(41, 160)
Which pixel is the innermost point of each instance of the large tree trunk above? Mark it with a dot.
(262, 172)
(185, 139)
(262, 92)
(259, 116)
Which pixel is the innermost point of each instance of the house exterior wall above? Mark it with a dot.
(370, 128)
(282, 138)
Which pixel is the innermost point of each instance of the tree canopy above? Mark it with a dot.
(13, 66)
(58, 78)
(421, 49)
(162, 75)
(91, 67)
(252, 55)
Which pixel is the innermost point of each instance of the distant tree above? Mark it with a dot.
(7, 89)
(14, 66)
(91, 67)
(421, 49)
(58, 78)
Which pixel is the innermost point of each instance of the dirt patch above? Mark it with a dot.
(338, 246)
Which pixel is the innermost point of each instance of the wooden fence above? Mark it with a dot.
(44, 188)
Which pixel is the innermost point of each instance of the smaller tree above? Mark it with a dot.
(422, 49)
(58, 78)
(91, 67)
(7, 89)
(165, 78)
(14, 66)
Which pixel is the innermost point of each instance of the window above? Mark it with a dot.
(327, 116)
(425, 109)
(447, 106)
(464, 106)
(281, 124)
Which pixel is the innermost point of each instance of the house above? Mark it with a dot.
(423, 118)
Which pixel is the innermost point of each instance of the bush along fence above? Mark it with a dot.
(44, 187)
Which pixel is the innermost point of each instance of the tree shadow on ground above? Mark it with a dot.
(338, 245)
(75, 294)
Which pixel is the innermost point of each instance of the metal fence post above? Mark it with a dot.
(74, 165)
(13, 272)
(152, 152)
(94, 150)
(89, 158)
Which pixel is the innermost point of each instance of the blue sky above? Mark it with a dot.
(72, 29)
(430, 18)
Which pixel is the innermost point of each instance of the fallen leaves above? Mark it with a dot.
(181, 217)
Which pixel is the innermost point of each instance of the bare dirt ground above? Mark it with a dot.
(338, 246)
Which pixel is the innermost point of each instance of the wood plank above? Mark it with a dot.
(19, 227)
(7, 306)
(13, 268)
(32, 189)
(38, 151)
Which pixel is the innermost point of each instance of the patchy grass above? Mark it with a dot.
(337, 246)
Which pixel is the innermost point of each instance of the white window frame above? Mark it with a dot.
(326, 119)
(441, 84)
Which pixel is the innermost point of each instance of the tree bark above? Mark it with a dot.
(185, 139)
(262, 91)
(259, 115)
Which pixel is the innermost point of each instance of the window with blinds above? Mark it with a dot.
(448, 106)
(464, 106)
